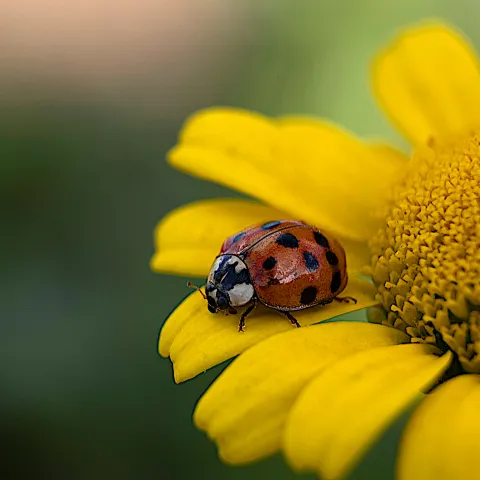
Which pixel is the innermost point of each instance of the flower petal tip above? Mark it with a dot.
(262, 148)
(163, 347)
(155, 264)
(188, 239)
(441, 438)
(417, 77)
(362, 394)
(245, 409)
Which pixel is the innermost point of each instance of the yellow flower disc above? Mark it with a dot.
(426, 261)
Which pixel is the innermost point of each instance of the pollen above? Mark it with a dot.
(426, 258)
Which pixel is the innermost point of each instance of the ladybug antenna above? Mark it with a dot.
(191, 285)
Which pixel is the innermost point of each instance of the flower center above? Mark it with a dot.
(426, 259)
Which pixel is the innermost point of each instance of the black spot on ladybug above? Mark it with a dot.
(287, 240)
(269, 263)
(310, 261)
(336, 280)
(308, 295)
(321, 240)
(332, 259)
(270, 225)
(238, 236)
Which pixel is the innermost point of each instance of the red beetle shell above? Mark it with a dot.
(292, 265)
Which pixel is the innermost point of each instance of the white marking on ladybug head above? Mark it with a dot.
(240, 266)
(229, 283)
(214, 268)
(241, 294)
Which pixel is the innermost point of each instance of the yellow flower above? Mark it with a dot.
(324, 394)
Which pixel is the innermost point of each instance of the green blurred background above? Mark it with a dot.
(92, 94)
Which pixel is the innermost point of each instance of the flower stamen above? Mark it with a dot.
(426, 260)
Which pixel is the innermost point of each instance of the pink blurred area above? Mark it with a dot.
(139, 48)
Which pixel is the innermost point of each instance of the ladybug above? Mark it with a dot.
(286, 265)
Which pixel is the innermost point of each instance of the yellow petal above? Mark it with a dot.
(245, 409)
(442, 439)
(189, 238)
(309, 169)
(428, 82)
(197, 340)
(358, 255)
(343, 411)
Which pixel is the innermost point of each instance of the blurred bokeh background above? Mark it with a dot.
(92, 94)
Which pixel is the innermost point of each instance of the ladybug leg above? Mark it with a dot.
(345, 299)
(241, 324)
(232, 310)
(292, 319)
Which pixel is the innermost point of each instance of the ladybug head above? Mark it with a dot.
(217, 300)
(229, 284)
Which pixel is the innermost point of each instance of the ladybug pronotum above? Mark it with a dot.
(285, 265)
